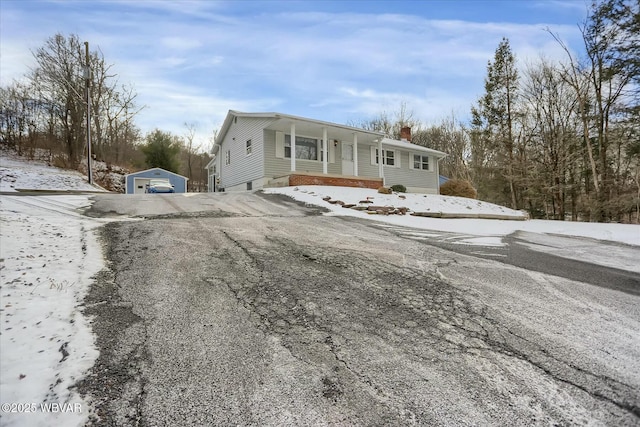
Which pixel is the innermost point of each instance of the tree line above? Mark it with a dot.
(557, 138)
(44, 115)
(560, 139)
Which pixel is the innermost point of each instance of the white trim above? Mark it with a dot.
(275, 115)
(318, 147)
(292, 152)
(407, 146)
(380, 160)
(412, 161)
(211, 162)
(355, 154)
(152, 169)
(384, 151)
(325, 152)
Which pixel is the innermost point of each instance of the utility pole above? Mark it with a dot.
(87, 76)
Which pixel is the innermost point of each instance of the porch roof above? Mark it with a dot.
(282, 122)
(311, 127)
(211, 162)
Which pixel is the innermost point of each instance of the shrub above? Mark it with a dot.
(384, 190)
(458, 187)
(399, 188)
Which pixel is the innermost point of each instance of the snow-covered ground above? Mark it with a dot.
(49, 252)
(491, 229)
(541, 235)
(16, 174)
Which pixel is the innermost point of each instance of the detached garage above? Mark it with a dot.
(137, 182)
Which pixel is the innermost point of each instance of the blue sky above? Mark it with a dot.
(338, 61)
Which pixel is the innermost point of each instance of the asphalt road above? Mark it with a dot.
(242, 309)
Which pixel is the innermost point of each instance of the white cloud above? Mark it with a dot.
(192, 61)
(180, 43)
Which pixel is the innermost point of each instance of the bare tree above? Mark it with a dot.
(553, 126)
(449, 136)
(58, 81)
(50, 110)
(190, 150)
(391, 123)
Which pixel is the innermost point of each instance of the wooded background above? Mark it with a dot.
(560, 139)
(44, 115)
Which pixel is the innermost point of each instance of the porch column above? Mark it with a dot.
(438, 173)
(325, 151)
(293, 147)
(355, 154)
(380, 161)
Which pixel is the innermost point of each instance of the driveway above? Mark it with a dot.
(246, 309)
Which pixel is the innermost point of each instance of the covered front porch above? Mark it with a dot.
(320, 148)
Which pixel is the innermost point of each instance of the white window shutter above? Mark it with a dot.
(280, 145)
(332, 151)
(397, 156)
(411, 160)
(373, 156)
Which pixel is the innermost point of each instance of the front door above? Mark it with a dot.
(347, 158)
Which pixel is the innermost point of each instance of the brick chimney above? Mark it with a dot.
(405, 133)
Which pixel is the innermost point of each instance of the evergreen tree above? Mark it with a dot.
(493, 128)
(161, 151)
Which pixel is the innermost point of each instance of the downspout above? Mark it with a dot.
(215, 151)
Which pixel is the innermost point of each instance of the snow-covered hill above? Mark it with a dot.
(18, 173)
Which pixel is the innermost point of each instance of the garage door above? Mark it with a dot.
(140, 185)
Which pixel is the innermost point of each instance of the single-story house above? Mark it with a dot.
(254, 150)
(136, 182)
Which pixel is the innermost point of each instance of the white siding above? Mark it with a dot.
(416, 179)
(243, 168)
(365, 164)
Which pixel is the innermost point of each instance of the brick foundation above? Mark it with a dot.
(296, 179)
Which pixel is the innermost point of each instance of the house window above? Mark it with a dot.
(306, 148)
(248, 146)
(388, 157)
(227, 157)
(420, 162)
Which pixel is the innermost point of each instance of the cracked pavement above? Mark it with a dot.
(263, 312)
